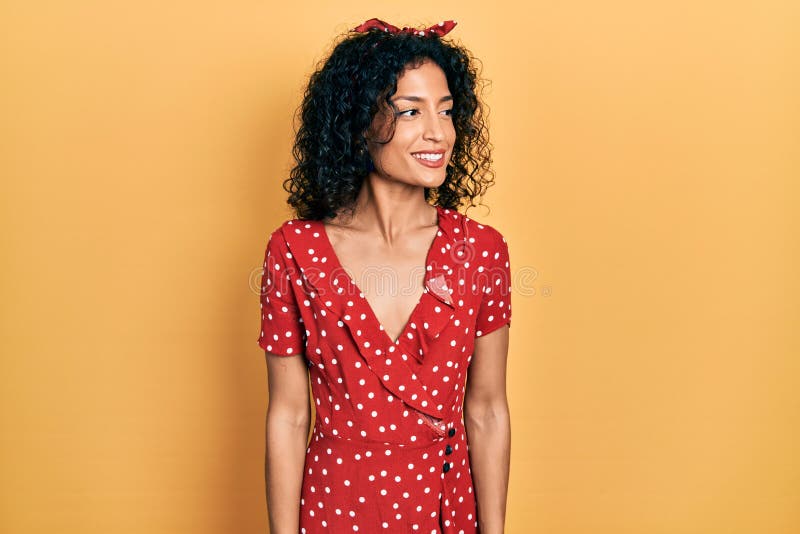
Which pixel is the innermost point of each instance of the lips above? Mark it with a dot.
(429, 159)
(430, 154)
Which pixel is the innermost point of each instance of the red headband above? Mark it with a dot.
(439, 29)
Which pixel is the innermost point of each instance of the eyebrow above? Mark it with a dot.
(413, 98)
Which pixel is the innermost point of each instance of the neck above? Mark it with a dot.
(390, 209)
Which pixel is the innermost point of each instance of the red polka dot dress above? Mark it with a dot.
(388, 451)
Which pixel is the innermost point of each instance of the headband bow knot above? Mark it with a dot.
(440, 29)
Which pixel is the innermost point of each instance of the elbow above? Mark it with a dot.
(294, 418)
(487, 415)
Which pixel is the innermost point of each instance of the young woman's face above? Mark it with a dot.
(424, 133)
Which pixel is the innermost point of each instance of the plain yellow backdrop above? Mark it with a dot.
(647, 183)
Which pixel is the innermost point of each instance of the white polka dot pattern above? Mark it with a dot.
(282, 329)
(389, 449)
(495, 308)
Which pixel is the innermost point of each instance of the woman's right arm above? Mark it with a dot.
(288, 424)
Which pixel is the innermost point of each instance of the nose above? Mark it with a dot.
(433, 127)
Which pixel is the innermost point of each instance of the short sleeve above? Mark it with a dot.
(282, 328)
(495, 306)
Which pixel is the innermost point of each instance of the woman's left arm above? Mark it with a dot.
(488, 425)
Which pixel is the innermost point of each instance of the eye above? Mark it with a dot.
(415, 111)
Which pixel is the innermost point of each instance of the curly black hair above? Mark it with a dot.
(341, 99)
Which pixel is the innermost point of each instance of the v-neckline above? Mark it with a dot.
(363, 296)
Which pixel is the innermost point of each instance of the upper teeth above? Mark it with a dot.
(431, 157)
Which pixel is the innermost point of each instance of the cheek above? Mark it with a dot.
(400, 147)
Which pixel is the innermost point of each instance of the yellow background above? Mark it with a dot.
(647, 166)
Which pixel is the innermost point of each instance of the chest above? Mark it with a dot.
(391, 276)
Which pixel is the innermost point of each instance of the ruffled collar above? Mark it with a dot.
(327, 281)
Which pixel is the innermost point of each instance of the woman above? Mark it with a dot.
(391, 142)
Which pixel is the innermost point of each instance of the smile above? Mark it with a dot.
(428, 157)
(432, 160)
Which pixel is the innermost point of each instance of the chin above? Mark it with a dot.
(431, 182)
(430, 179)
(436, 183)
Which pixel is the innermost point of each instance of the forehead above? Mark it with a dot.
(427, 79)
